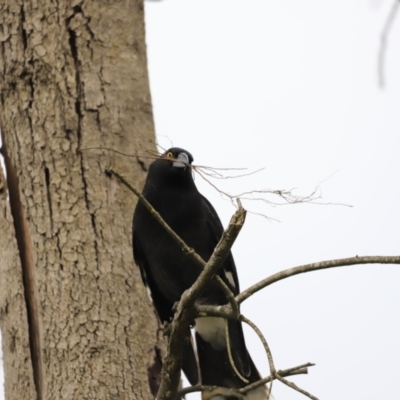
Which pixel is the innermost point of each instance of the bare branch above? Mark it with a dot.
(228, 347)
(221, 251)
(229, 295)
(185, 248)
(342, 262)
(301, 369)
(263, 340)
(265, 344)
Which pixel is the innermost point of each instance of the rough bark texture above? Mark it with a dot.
(13, 318)
(75, 319)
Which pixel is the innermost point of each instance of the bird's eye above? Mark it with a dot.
(170, 155)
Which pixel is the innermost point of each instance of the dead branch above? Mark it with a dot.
(342, 262)
(265, 344)
(284, 196)
(186, 249)
(229, 295)
(299, 370)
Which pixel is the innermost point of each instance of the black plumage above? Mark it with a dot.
(167, 271)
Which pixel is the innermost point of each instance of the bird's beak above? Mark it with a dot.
(183, 161)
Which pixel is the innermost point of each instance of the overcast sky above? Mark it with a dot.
(291, 86)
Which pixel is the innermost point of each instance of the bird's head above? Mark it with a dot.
(172, 167)
(178, 158)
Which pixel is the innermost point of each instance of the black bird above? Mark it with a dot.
(167, 272)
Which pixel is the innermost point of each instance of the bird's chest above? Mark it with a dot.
(173, 270)
(184, 215)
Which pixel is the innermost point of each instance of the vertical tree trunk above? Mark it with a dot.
(76, 322)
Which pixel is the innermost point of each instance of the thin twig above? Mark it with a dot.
(263, 341)
(299, 370)
(286, 197)
(265, 344)
(211, 172)
(228, 346)
(296, 370)
(186, 249)
(229, 295)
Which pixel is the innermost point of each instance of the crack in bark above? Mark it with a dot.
(25, 248)
(30, 104)
(59, 249)
(23, 31)
(78, 104)
(78, 108)
(47, 180)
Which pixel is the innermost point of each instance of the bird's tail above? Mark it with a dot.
(220, 367)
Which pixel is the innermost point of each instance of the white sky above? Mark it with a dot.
(291, 85)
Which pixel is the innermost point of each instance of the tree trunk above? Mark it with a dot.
(75, 320)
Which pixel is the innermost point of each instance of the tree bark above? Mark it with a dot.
(75, 319)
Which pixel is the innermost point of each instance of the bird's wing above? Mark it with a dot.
(228, 274)
(161, 304)
(164, 308)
